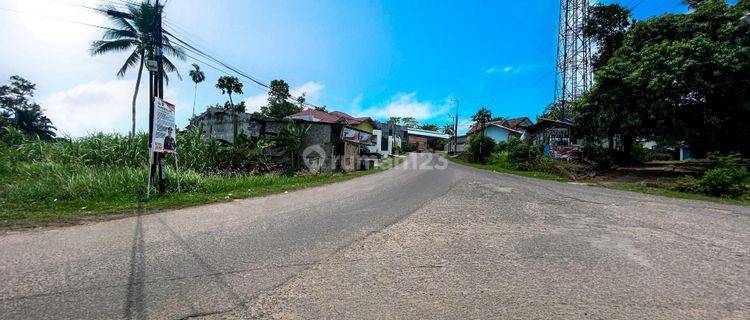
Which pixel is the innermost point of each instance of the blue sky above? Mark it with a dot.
(376, 58)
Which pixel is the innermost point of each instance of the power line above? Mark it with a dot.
(54, 18)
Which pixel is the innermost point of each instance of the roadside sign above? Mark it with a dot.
(163, 139)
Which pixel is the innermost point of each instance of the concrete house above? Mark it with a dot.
(495, 130)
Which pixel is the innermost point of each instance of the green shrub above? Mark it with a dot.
(397, 150)
(726, 178)
(481, 148)
(597, 154)
(689, 184)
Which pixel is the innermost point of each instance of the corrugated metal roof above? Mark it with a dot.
(427, 133)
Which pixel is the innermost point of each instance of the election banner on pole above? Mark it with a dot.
(163, 139)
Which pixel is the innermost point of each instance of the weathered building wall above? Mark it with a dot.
(320, 135)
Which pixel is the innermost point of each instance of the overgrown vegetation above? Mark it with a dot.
(49, 181)
(728, 177)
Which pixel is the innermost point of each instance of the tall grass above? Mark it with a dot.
(107, 173)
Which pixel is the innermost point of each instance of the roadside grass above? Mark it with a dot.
(500, 168)
(634, 187)
(675, 194)
(37, 194)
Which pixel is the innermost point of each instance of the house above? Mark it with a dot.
(519, 124)
(497, 130)
(314, 115)
(424, 140)
(387, 137)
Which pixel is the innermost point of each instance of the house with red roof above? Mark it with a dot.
(315, 115)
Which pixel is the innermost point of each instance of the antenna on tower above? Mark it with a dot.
(573, 55)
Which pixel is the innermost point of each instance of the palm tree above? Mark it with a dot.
(229, 85)
(131, 32)
(33, 123)
(197, 75)
(482, 116)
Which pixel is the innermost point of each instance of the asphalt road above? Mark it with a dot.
(411, 242)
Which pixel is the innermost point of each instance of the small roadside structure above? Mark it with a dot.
(458, 144)
(555, 136)
(423, 139)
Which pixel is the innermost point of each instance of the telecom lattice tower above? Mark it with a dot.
(573, 55)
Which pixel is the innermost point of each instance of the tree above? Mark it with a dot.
(131, 32)
(17, 110)
(197, 75)
(410, 122)
(448, 128)
(229, 85)
(394, 120)
(429, 126)
(289, 141)
(482, 116)
(677, 77)
(607, 26)
(279, 105)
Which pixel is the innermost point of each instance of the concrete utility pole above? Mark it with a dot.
(455, 127)
(156, 89)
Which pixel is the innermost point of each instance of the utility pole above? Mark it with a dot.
(156, 90)
(160, 85)
(455, 127)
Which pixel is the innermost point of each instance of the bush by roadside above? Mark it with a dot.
(727, 178)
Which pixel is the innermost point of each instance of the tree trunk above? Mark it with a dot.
(195, 96)
(135, 95)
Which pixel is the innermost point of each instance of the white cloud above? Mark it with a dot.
(102, 107)
(406, 105)
(93, 107)
(492, 70)
(311, 89)
(506, 69)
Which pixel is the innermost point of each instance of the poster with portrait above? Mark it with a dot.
(164, 138)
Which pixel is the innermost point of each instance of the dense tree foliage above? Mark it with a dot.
(410, 122)
(279, 104)
(607, 26)
(676, 77)
(18, 111)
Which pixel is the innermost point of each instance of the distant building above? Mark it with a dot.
(462, 144)
(422, 138)
(387, 137)
(495, 130)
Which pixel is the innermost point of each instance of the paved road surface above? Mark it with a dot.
(406, 243)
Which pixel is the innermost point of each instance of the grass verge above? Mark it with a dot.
(502, 169)
(40, 194)
(675, 194)
(619, 186)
